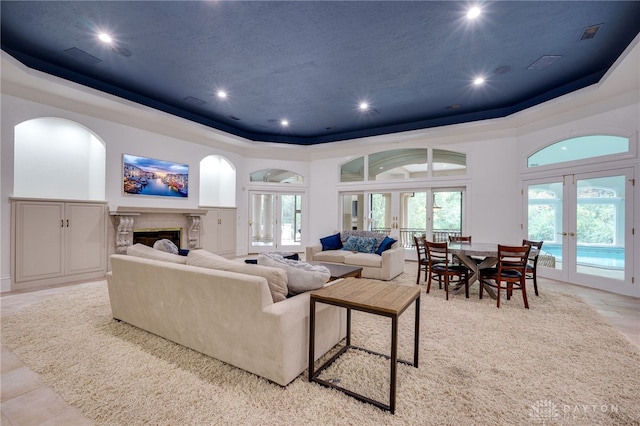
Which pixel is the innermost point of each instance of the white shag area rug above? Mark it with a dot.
(558, 363)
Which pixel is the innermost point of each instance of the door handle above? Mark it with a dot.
(564, 234)
(573, 234)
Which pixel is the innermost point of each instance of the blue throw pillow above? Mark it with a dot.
(385, 245)
(360, 244)
(332, 242)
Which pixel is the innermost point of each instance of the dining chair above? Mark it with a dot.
(423, 263)
(510, 269)
(441, 268)
(532, 264)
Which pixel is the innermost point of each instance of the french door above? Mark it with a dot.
(586, 223)
(405, 213)
(276, 221)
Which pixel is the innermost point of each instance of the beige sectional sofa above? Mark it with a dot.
(384, 266)
(227, 315)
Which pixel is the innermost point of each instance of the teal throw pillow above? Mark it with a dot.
(385, 245)
(360, 244)
(332, 242)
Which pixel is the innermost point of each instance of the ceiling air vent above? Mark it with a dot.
(544, 62)
(194, 101)
(121, 51)
(590, 32)
(82, 56)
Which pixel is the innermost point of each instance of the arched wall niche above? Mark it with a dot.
(58, 159)
(217, 182)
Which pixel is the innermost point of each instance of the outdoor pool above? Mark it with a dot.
(598, 256)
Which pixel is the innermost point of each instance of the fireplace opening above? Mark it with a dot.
(149, 236)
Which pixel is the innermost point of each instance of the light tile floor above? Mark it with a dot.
(26, 400)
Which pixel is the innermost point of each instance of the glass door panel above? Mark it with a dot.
(262, 208)
(381, 218)
(352, 212)
(600, 227)
(413, 217)
(447, 215)
(290, 222)
(545, 221)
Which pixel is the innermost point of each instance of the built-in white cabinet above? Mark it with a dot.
(57, 241)
(218, 231)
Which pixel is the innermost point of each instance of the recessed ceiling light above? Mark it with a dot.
(363, 106)
(222, 94)
(105, 37)
(473, 13)
(284, 123)
(478, 81)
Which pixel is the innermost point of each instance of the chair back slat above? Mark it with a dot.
(537, 245)
(513, 258)
(437, 252)
(419, 242)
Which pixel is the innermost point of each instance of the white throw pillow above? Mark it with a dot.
(166, 245)
(276, 278)
(301, 276)
(141, 250)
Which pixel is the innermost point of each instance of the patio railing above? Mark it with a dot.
(439, 235)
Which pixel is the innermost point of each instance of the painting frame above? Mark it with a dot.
(147, 176)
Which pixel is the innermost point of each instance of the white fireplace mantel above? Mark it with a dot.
(120, 210)
(124, 218)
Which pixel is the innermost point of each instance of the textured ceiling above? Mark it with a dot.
(313, 62)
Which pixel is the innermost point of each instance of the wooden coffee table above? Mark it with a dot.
(339, 270)
(375, 297)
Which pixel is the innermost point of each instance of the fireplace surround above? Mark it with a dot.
(130, 221)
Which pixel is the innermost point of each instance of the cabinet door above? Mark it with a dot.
(227, 231)
(209, 231)
(86, 231)
(40, 234)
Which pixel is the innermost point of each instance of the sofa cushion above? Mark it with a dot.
(166, 245)
(276, 278)
(301, 276)
(140, 250)
(332, 256)
(344, 235)
(364, 259)
(360, 244)
(332, 242)
(385, 245)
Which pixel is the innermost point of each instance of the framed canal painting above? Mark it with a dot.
(146, 176)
